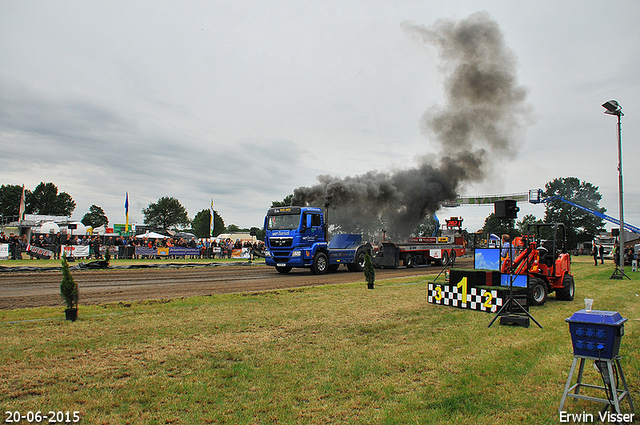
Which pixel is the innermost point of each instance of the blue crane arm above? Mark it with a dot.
(627, 226)
(435, 232)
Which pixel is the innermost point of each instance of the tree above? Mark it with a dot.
(577, 221)
(95, 217)
(259, 232)
(10, 200)
(200, 224)
(232, 228)
(46, 200)
(497, 226)
(284, 203)
(525, 222)
(167, 213)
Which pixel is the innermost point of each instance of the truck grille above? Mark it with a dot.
(280, 242)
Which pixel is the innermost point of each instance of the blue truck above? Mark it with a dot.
(297, 237)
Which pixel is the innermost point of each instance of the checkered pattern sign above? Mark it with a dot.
(478, 299)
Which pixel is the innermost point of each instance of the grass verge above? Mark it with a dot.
(315, 355)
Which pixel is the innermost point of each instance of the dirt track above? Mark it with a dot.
(36, 289)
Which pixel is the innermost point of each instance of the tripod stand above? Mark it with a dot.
(515, 316)
(617, 273)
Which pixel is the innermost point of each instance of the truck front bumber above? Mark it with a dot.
(292, 258)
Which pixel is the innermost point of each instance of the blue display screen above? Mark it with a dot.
(519, 280)
(487, 259)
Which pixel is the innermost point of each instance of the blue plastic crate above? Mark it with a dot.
(596, 333)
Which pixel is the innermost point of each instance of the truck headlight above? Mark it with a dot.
(267, 253)
(296, 253)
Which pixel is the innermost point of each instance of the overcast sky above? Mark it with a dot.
(245, 101)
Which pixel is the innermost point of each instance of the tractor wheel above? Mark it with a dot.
(568, 290)
(320, 263)
(283, 270)
(537, 291)
(358, 264)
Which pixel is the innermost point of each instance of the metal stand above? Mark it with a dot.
(618, 274)
(614, 395)
(515, 316)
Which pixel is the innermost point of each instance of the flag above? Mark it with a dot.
(211, 219)
(22, 205)
(126, 212)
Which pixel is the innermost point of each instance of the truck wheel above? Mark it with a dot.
(568, 291)
(320, 263)
(358, 261)
(408, 261)
(445, 259)
(283, 270)
(537, 292)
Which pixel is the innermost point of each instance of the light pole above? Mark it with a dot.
(613, 108)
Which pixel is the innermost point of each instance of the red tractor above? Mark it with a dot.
(543, 256)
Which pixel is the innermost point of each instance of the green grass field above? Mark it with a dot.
(332, 354)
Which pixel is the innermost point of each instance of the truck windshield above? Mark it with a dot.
(283, 222)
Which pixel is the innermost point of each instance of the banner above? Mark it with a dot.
(76, 251)
(174, 251)
(36, 251)
(212, 218)
(241, 253)
(126, 213)
(4, 251)
(22, 205)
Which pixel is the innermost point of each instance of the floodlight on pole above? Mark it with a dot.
(613, 108)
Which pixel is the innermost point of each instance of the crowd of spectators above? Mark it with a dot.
(629, 255)
(97, 244)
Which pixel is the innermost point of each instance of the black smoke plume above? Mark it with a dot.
(484, 111)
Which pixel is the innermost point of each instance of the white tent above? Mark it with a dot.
(49, 227)
(151, 235)
(80, 229)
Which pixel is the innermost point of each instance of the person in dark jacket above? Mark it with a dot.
(95, 246)
(601, 253)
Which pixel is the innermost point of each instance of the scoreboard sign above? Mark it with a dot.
(460, 296)
(467, 296)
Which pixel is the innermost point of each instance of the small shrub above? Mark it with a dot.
(68, 286)
(369, 271)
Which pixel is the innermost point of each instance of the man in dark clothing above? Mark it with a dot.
(95, 245)
(57, 241)
(601, 253)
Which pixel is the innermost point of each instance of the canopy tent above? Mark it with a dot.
(185, 235)
(49, 227)
(151, 235)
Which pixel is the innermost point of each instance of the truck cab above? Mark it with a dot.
(293, 237)
(297, 237)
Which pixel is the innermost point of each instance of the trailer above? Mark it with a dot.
(425, 250)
